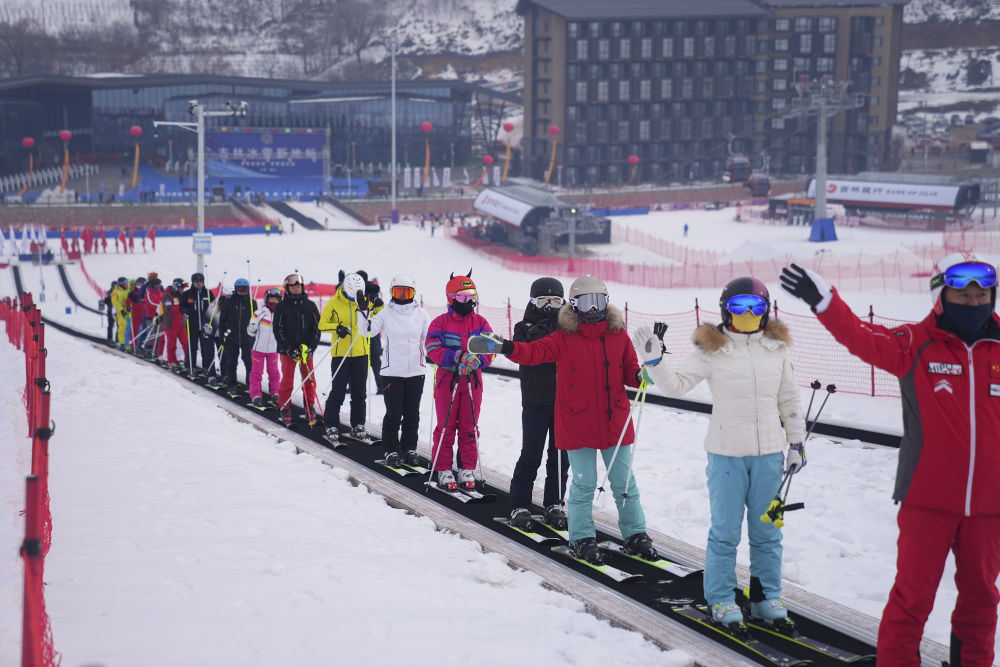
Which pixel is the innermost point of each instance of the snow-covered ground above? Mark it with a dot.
(218, 545)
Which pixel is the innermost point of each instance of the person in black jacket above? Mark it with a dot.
(296, 331)
(236, 342)
(374, 295)
(538, 397)
(109, 311)
(195, 302)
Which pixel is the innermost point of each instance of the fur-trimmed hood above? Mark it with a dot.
(570, 321)
(715, 338)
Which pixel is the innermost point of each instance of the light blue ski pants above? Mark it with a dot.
(736, 483)
(583, 464)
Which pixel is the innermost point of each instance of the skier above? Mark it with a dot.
(171, 322)
(109, 309)
(595, 361)
(194, 304)
(948, 371)
(265, 351)
(538, 399)
(150, 306)
(458, 383)
(234, 317)
(348, 354)
(756, 410)
(137, 309)
(296, 329)
(123, 314)
(404, 325)
(373, 293)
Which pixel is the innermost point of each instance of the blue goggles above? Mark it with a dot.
(741, 303)
(963, 275)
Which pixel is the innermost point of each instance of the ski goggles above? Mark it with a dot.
(293, 280)
(402, 292)
(465, 296)
(742, 303)
(587, 302)
(962, 275)
(547, 301)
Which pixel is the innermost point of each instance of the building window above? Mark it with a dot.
(800, 65)
(645, 89)
(827, 24)
(616, 29)
(805, 43)
(824, 65)
(782, 25)
(668, 47)
(623, 130)
(646, 47)
(643, 130)
(687, 88)
(708, 87)
(777, 103)
(750, 45)
(689, 47)
(623, 90)
(572, 29)
(601, 130)
(781, 45)
(876, 61)
(603, 49)
(687, 131)
(873, 100)
(666, 128)
(581, 91)
(709, 45)
(625, 48)
(581, 49)
(706, 128)
(780, 64)
(830, 43)
(879, 20)
(729, 44)
(878, 42)
(779, 84)
(873, 119)
(803, 24)
(876, 81)
(602, 91)
(760, 66)
(580, 134)
(666, 89)
(595, 29)
(777, 123)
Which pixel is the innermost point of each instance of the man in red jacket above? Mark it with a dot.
(948, 367)
(595, 361)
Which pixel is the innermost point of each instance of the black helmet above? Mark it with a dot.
(744, 285)
(195, 277)
(178, 284)
(272, 293)
(122, 280)
(546, 287)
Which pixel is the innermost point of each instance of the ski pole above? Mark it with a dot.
(830, 389)
(342, 359)
(815, 385)
(631, 462)
(475, 430)
(621, 436)
(437, 448)
(309, 375)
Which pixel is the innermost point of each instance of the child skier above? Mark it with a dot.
(458, 386)
(265, 351)
(756, 410)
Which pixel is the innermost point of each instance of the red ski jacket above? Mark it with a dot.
(594, 364)
(949, 458)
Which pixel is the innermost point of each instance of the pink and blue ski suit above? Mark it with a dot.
(447, 338)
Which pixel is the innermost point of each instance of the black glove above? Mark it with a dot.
(342, 331)
(378, 303)
(660, 330)
(797, 282)
(295, 354)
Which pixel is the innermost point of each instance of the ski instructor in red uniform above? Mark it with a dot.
(948, 475)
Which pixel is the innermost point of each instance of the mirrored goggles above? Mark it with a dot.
(741, 303)
(547, 301)
(962, 275)
(465, 296)
(293, 279)
(587, 302)
(401, 292)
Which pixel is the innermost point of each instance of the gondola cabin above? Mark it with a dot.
(758, 185)
(736, 170)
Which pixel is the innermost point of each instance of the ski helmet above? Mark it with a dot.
(461, 293)
(272, 293)
(744, 285)
(293, 279)
(197, 277)
(353, 283)
(403, 288)
(138, 280)
(178, 284)
(981, 272)
(241, 282)
(458, 284)
(122, 280)
(589, 297)
(547, 287)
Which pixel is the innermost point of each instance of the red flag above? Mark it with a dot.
(131, 238)
(152, 236)
(88, 240)
(120, 238)
(104, 239)
(62, 240)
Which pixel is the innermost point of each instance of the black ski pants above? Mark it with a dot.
(111, 322)
(231, 353)
(537, 425)
(355, 371)
(402, 405)
(196, 340)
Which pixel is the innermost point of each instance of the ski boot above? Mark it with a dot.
(728, 615)
(411, 458)
(640, 545)
(588, 550)
(773, 613)
(332, 433)
(392, 459)
(272, 399)
(467, 479)
(446, 480)
(555, 516)
(286, 417)
(520, 518)
(258, 402)
(361, 433)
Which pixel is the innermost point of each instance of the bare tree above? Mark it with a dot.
(360, 24)
(26, 49)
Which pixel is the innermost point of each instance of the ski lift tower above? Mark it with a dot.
(823, 99)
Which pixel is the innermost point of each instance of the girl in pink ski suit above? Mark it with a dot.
(265, 347)
(458, 371)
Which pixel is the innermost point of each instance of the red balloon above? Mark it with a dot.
(135, 131)
(508, 127)
(426, 127)
(27, 142)
(633, 159)
(553, 129)
(65, 135)
(487, 160)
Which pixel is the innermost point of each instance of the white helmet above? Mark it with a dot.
(587, 284)
(945, 263)
(353, 283)
(403, 280)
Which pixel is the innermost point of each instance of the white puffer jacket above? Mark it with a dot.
(753, 388)
(260, 326)
(404, 330)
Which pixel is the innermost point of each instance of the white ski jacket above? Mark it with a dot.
(260, 327)
(756, 406)
(404, 330)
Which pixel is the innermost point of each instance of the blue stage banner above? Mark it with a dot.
(243, 152)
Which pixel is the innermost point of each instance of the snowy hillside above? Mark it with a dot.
(939, 11)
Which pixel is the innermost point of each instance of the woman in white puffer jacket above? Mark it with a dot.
(264, 352)
(756, 411)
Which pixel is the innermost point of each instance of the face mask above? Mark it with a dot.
(747, 322)
(463, 308)
(967, 319)
(592, 316)
(402, 302)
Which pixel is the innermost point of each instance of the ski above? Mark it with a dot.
(620, 576)
(740, 635)
(259, 408)
(456, 494)
(673, 568)
(366, 441)
(336, 443)
(531, 535)
(793, 636)
(422, 470)
(540, 519)
(399, 470)
(477, 495)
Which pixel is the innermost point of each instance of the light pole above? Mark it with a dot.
(202, 242)
(393, 45)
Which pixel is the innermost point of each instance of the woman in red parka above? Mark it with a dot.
(595, 361)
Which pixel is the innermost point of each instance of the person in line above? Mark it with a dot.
(948, 366)
(595, 362)
(403, 324)
(458, 372)
(757, 410)
(151, 337)
(296, 327)
(236, 342)
(265, 351)
(109, 310)
(123, 314)
(195, 302)
(538, 400)
(172, 322)
(137, 308)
